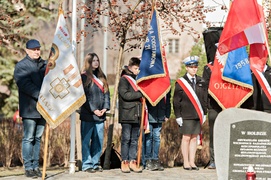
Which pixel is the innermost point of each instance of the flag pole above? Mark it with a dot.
(139, 147)
(139, 144)
(45, 151)
(73, 115)
(47, 127)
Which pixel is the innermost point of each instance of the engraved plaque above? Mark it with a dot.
(250, 144)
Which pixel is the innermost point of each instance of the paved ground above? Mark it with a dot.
(115, 174)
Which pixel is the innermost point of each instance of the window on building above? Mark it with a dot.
(173, 45)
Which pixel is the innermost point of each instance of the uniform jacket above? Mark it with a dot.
(158, 113)
(259, 101)
(29, 75)
(182, 105)
(266, 103)
(130, 105)
(96, 99)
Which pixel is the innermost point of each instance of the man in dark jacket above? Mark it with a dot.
(29, 74)
(129, 116)
(261, 101)
(213, 110)
(266, 102)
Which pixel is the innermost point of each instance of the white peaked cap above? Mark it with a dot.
(191, 60)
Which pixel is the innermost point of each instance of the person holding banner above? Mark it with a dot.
(93, 113)
(190, 106)
(130, 107)
(29, 74)
(213, 110)
(156, 116)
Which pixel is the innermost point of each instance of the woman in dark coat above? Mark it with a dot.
(93, 113)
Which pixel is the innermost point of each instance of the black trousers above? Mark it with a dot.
(212, 114)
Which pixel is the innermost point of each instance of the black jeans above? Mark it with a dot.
(129, 140)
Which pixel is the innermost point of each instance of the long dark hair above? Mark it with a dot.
(89, 71)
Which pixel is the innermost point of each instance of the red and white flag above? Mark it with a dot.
(62, 91)
(245, 25)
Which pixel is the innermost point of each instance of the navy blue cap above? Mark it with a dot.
(32, 44)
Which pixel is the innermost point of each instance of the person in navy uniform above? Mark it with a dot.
(186, 114)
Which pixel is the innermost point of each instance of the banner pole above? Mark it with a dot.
(72, 151)
(139, 147)
(73, 116)
(45, 151)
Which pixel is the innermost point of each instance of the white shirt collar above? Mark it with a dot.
(190, 77)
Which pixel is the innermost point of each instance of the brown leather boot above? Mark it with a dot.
(125, 166)
(134, 168)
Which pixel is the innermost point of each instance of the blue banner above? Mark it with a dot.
(152, 60)
(237, 68)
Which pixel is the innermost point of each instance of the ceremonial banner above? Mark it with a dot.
(226, 93)
(245, 25)
(153, 79)
(62, 91)
(237, 68)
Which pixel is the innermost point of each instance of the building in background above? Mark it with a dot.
(177, 47)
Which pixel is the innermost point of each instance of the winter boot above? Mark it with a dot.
(158, 165)
(150, 165)
(125, 166)
(134, 168)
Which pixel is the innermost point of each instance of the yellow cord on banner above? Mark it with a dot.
(60, 10)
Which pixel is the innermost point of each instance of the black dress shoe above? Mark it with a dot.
(195, 168)
(188, 169)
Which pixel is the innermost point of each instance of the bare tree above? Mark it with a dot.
(128, 24)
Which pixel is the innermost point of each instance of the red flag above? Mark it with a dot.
(156, 88)
(226, 94)
(245, 25)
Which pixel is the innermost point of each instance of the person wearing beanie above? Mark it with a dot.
(29, 74)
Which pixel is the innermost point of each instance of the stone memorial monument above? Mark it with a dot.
(242, 138)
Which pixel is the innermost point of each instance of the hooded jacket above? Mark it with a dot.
(130, 105)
